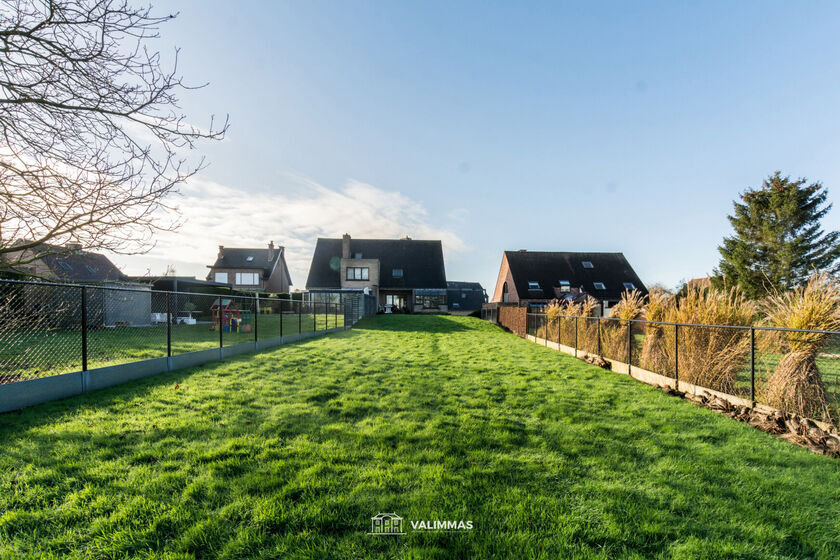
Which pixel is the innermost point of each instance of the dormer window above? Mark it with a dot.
(565, 286)
(587, 264)
(533, 285)
(397, 273)
(599, 285)
(629, 286)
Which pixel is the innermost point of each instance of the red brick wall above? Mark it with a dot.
(513, 318)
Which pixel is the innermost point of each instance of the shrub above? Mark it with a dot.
(796, 384)
(711, 356)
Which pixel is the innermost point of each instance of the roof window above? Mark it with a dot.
(533, 285)
(629, 286)
(65, 265)
(599, 285)
(587, 264)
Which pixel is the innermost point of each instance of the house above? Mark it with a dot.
(403, 274)
(257, 270)
(386, 524)
(533, 278)
(68, 264)
(465, 296)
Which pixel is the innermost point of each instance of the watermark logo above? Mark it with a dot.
(386, 524)
(392, 524)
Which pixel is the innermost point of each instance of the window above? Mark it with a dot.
(221, 277)
(357, 256)
(64, 265)
(505, 295)
(463, 295)
(588, 264)
(249, 258)
(90, 269)
(397, 273)
(565, 286)
(247, 278)
(599, 286)
(430, 302)
(358, 273)
(629, 286)
(536, 306)
(533, 285)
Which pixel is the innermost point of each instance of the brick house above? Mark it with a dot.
(403, 274)
(258, 270)
(533, 278)
(70, 264)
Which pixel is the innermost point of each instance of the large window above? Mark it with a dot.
(221, 277)
(565, 286)
(429, 302)
(247, 278)
(358, 273)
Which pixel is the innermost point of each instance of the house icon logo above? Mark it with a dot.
(386, 524)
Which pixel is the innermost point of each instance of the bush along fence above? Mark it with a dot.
(58, 340)
(746, 366)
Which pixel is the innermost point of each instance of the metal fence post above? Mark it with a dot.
(84, 330)
(629, 345)
(752, 365)
(576, 336)
(168, 324)
(256, 315)
(221, 322)
(282, 319)
(300, 316)
(313, 307)
(677, 357)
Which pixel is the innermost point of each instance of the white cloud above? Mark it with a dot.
(216, 214)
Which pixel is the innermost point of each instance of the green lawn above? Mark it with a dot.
(37, 353)
(289, 453)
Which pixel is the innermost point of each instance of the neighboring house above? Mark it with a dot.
(534, 278)
(67, 264)
(403, 274)
(465, 296)
(117, 301)
(257, 270)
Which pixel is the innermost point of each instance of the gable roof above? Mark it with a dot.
(76, 265)
(420, 260)
(238, 257)
(549, 268)
(456, 285)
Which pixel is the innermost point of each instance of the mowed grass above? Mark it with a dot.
(37, 353)
(288, 454)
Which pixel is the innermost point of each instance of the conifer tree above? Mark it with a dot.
(778, 240)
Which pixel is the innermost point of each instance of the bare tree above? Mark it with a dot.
(93, 139)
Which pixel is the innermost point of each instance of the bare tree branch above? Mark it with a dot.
(92, 139)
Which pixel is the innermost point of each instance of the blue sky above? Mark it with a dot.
(559, 126)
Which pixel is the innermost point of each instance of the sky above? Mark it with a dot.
(625, 126)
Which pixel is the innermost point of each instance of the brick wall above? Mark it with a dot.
(513, 318)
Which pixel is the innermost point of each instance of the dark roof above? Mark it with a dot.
(420, 260)
(237, 257)
(454, 285)
(75, 265)
(549, 268)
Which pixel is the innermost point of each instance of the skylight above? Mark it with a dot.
(587, 264)
(629, 286)
(533, 285)
(249, 258)
(599, 285)
(89, 269)
(64, 265)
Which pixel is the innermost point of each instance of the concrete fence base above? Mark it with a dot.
(14, 396)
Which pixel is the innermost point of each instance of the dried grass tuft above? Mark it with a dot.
(796, 384)
(655, 355)
(614, 336)
(711, 356)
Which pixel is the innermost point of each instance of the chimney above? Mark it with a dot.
(345, 246)
(221, 251)
(270, 251)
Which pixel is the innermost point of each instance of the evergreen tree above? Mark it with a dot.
(778, 240)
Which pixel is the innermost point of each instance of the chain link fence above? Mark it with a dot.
(48, 329)
(763, 365)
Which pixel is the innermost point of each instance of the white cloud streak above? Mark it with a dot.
(216, 214)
